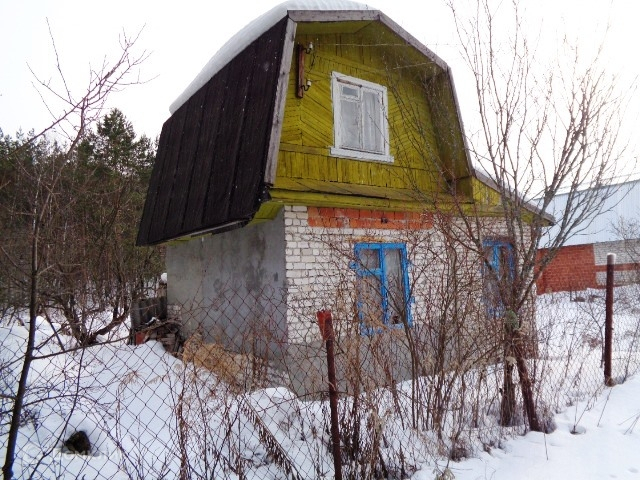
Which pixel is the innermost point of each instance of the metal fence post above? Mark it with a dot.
(326, 328)
(608, 325)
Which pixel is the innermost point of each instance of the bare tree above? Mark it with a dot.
(44, 204)
(544, 129)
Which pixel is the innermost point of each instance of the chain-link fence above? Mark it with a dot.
(571, 326)
(236, 398)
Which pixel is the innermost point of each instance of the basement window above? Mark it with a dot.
(498, 275)
(382, 286)
(360, 127)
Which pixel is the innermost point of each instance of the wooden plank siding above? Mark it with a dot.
(213, 150)
(260, 99)
(168, 173)
(185, 165)
(155, 187)
(215, 210)
(203, 164)
(376, 54)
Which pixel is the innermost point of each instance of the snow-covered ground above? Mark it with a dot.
(148, 415)
(604, 445)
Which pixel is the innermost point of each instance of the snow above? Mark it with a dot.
(606, 445)
(251, 32)
(621, 205)
(131, 398)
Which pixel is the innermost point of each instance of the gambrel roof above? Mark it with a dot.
(218, 152)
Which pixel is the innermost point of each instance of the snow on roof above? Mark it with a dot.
(621, 205)
(251, 32)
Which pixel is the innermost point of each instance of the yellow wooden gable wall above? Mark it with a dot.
(308, 173)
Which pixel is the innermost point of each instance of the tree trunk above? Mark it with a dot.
(508, 402)
(526, 384)
(16, 413)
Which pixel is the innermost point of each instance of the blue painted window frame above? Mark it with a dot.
(381, 273)
(494, 246)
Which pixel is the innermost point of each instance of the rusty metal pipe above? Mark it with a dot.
(326, 328)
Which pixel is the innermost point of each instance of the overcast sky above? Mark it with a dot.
(181, 37)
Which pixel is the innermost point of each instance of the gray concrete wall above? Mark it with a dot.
(231, 288)
(362, 362)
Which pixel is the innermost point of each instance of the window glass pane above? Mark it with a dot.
(359, 118)
(370, 259)
(491, 285)
(372, 138)
(491, 293)
(349, 91)
(350, 124)
(395, 285)
(497, 276)
(370, 299)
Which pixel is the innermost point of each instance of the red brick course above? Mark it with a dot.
(333, 217)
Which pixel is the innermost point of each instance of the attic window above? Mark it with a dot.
(360, 127)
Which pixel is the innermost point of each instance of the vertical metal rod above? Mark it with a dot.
(326, 327)
(608, 325)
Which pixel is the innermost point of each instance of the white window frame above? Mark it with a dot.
(338, 149)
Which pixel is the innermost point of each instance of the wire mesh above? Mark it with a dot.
(234, 399)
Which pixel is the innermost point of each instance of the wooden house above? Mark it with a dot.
(293, 173)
